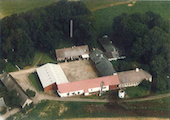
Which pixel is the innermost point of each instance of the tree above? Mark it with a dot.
(14, 99)
(145, 84)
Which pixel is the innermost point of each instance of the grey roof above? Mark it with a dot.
(2, 103)
(11, 84)
(107, 44)
(75, 51)
(102, 64)
(133, 76)
(110, 50)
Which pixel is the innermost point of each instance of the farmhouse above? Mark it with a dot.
(103, 66)
(11, 84)
(51, 75)
(72, 53)
(109, 50)
(133, 77)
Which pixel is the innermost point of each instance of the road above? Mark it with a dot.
(9, 113)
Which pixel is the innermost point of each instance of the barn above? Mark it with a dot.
(51, 75)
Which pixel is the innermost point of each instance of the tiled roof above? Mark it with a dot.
(87, 84)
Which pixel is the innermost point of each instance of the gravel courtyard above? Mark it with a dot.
(79, 70)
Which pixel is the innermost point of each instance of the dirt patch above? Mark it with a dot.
(131, 4)
(62, 109)
(110, 5)
(79, 70)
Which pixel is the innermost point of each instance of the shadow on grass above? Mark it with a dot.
(35, 81)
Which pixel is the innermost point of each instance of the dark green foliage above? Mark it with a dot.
(27, 107)
(30, 93)
(145, 84)
(44, 29)
(4, 109)
(145, 39)
(14, 100)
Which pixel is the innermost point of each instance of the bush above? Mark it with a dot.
(3, 110)
(145, 84)
(30, 93)
(27, 107)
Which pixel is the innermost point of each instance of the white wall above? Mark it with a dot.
(27, 102)
(73, 93)
(129, 84)
(105, 88)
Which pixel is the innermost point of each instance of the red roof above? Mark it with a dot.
(87, 84)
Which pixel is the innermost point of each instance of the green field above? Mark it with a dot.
(35, 81)
(104, 17)
(9, 7)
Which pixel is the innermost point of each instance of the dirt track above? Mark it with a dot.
(110, 5)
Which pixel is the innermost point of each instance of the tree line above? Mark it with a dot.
(145, 39)
(44, 29)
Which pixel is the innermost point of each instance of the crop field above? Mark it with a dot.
(63, 110)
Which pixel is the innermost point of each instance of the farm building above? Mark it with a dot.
(103, 66)
(50, 76)
(11, 84)
(110, 51)
(133, 77)
(89, 86)
(72, 53)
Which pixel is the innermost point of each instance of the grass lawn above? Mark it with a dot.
(10, 67)
(46, 58)
(35, 81)
(158, 104)
(104, 17)
(36, 57)
(9, 7)
(132, 92)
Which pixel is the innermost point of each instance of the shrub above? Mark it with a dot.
(30, 93)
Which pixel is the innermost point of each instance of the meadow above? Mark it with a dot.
(9, 7)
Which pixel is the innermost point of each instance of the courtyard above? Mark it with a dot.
(79, 70)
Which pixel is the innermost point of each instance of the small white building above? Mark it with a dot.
(121, 93)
